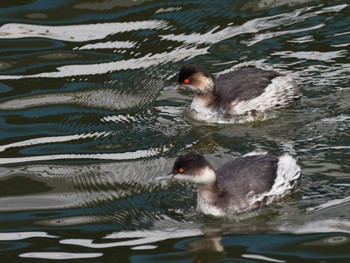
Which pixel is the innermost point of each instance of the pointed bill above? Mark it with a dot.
(165, 177)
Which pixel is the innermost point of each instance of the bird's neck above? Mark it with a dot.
(205, 92)
(209, 192)
(203, 103)
(207, 198)
(206, 99)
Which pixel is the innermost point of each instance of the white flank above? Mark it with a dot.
(279, 93)
(287, 171)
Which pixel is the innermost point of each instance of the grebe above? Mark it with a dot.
(240, 93)
(243, 184)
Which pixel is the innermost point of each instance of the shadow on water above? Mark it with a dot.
(89, 119)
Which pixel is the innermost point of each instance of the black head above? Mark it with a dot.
(193, 167)
(195, 78)
(187, 71)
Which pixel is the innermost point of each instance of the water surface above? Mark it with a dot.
(88, 122)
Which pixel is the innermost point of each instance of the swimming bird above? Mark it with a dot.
(248, 182)
(240, 93)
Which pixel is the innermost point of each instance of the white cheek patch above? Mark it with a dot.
(205, 85)
(281, 92)
(202, 85)
(205, 176)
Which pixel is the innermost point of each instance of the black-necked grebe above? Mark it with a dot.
(243, 184)
(246, 91)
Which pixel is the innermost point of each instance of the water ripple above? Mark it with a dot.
(255, 26)
(52, 139)
(86, 126)
(101, 98)
(102, 156)
(313, 55)
(108, 45)
(75, 33)
(146, 61)
(139, 238)
(59, 255)
(10, 236)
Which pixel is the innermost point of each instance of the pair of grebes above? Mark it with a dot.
(254, 179)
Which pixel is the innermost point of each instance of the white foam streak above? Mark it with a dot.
(103, 156)
(108, 45)
(263, 258)
(321, 226)
(313, 55)
(51, 140)
(59, 255)
(139, 238)
(23, 235)
(330, 203)
(260, 37)
(255, 26)
(74, 33)
(251, 26)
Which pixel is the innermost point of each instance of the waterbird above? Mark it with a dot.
(245, 183)
(242, 94)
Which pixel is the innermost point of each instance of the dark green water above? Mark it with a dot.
(87, 123)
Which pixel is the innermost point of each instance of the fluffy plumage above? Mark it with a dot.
(240, 185)
(243, 91)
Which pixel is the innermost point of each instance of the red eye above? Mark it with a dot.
(181, 170)
(186, 81)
